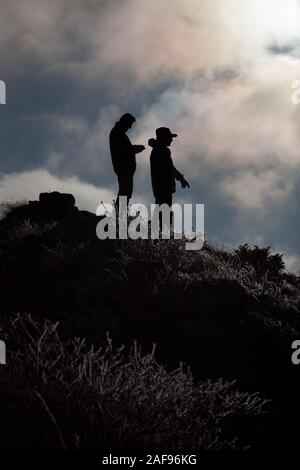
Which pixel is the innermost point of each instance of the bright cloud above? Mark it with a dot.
(28, 185)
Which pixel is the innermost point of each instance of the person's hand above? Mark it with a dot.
(184, 183)
(139, 148)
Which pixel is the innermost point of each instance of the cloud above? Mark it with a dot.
(246, 127)
(257, 191)
(292, 263)
(218, 73)
(28, 185)
(148, 41)
(81, 147)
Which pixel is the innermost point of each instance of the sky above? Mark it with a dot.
(219, 73)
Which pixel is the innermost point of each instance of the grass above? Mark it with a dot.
(169, 259)
(78, 397)
(230, 315)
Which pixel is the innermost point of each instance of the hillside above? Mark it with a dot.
(230, 316)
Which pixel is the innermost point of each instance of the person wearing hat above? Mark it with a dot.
(163, 172)
(123, 154)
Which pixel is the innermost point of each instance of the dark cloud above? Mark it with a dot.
(292, 49)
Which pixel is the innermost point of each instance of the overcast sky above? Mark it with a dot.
(217, 72)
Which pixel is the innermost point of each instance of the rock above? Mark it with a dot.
(53, 206)
(56, 205)
(56, 199)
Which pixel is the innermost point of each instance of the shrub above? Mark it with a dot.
(9, 206)
(64, 394)
(166, 264)
(262, 260)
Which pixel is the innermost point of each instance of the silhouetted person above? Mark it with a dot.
(123, 155)
(163, 172)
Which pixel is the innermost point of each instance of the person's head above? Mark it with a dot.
(126, 121)
(164, 136)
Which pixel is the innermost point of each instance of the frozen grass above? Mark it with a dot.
(66, 394)
(169, 260)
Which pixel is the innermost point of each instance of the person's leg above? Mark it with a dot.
(169, 202)
(164, 199)
(125, 187)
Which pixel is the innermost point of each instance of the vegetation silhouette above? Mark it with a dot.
(228, 317)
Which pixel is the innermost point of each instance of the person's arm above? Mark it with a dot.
(138, 148)
(180, 177)
(177, 174)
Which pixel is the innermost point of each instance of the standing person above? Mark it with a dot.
(123, 155)
(163, 172)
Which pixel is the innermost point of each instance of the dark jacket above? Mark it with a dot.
(122, 151)
(163, 171)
